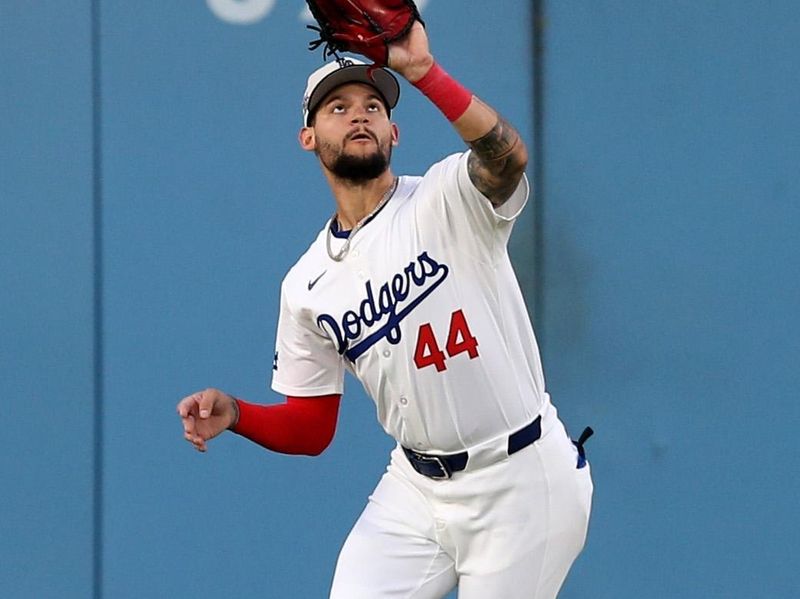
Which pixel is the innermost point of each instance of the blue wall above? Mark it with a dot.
(46, 290)
(666, 287)
(671, 284)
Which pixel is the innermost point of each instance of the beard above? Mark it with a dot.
(356, 169)
(359, 169)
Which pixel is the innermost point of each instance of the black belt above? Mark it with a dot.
(442, 466)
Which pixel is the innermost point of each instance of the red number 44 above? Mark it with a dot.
(459, 340)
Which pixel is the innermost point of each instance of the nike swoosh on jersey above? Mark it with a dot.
(314, 282)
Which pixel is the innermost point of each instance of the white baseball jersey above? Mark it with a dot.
(425, 310)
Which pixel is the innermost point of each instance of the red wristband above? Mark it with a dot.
(446, 93)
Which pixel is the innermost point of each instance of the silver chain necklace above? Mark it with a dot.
(339, 256)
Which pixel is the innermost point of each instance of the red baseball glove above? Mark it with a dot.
(361, 26)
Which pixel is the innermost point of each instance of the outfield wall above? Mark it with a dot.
(152, 194)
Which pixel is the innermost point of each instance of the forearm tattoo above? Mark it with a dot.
(498, 143)
(493, 165)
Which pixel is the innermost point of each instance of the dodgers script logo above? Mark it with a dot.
(395, 300)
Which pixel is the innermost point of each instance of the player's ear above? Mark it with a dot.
(395, 134)
(308, 140)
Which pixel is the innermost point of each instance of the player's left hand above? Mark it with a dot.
(411, 55)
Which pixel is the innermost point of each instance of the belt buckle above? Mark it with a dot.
(446, 473)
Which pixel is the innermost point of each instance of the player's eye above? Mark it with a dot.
(375, 107)
(337, 108)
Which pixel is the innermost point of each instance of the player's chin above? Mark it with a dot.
(360, 166)
(369, 152)
(364, 148)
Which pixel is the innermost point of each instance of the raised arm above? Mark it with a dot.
(499, 156)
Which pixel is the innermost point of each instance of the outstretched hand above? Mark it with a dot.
(411, 55)
(205, 415)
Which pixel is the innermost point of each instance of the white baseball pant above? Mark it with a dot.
(510, 530)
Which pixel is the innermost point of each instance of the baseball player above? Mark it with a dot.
(410, 288)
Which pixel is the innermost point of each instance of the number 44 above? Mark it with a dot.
(459, 340)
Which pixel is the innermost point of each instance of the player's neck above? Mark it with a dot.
(354, 201)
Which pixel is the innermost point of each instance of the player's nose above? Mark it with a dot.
(360, 114)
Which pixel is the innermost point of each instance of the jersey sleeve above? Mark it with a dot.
(306, 362)
(454, 203)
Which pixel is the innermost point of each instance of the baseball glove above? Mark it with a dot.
(361, 26)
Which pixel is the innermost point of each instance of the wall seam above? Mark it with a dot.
(97, 301)
(538, 28)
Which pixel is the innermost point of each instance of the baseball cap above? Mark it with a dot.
(348, 70)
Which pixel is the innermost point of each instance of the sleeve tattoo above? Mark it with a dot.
(497, 162)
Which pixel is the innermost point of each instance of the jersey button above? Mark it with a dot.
(403, 401)
(386, 353)
(361, 275)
